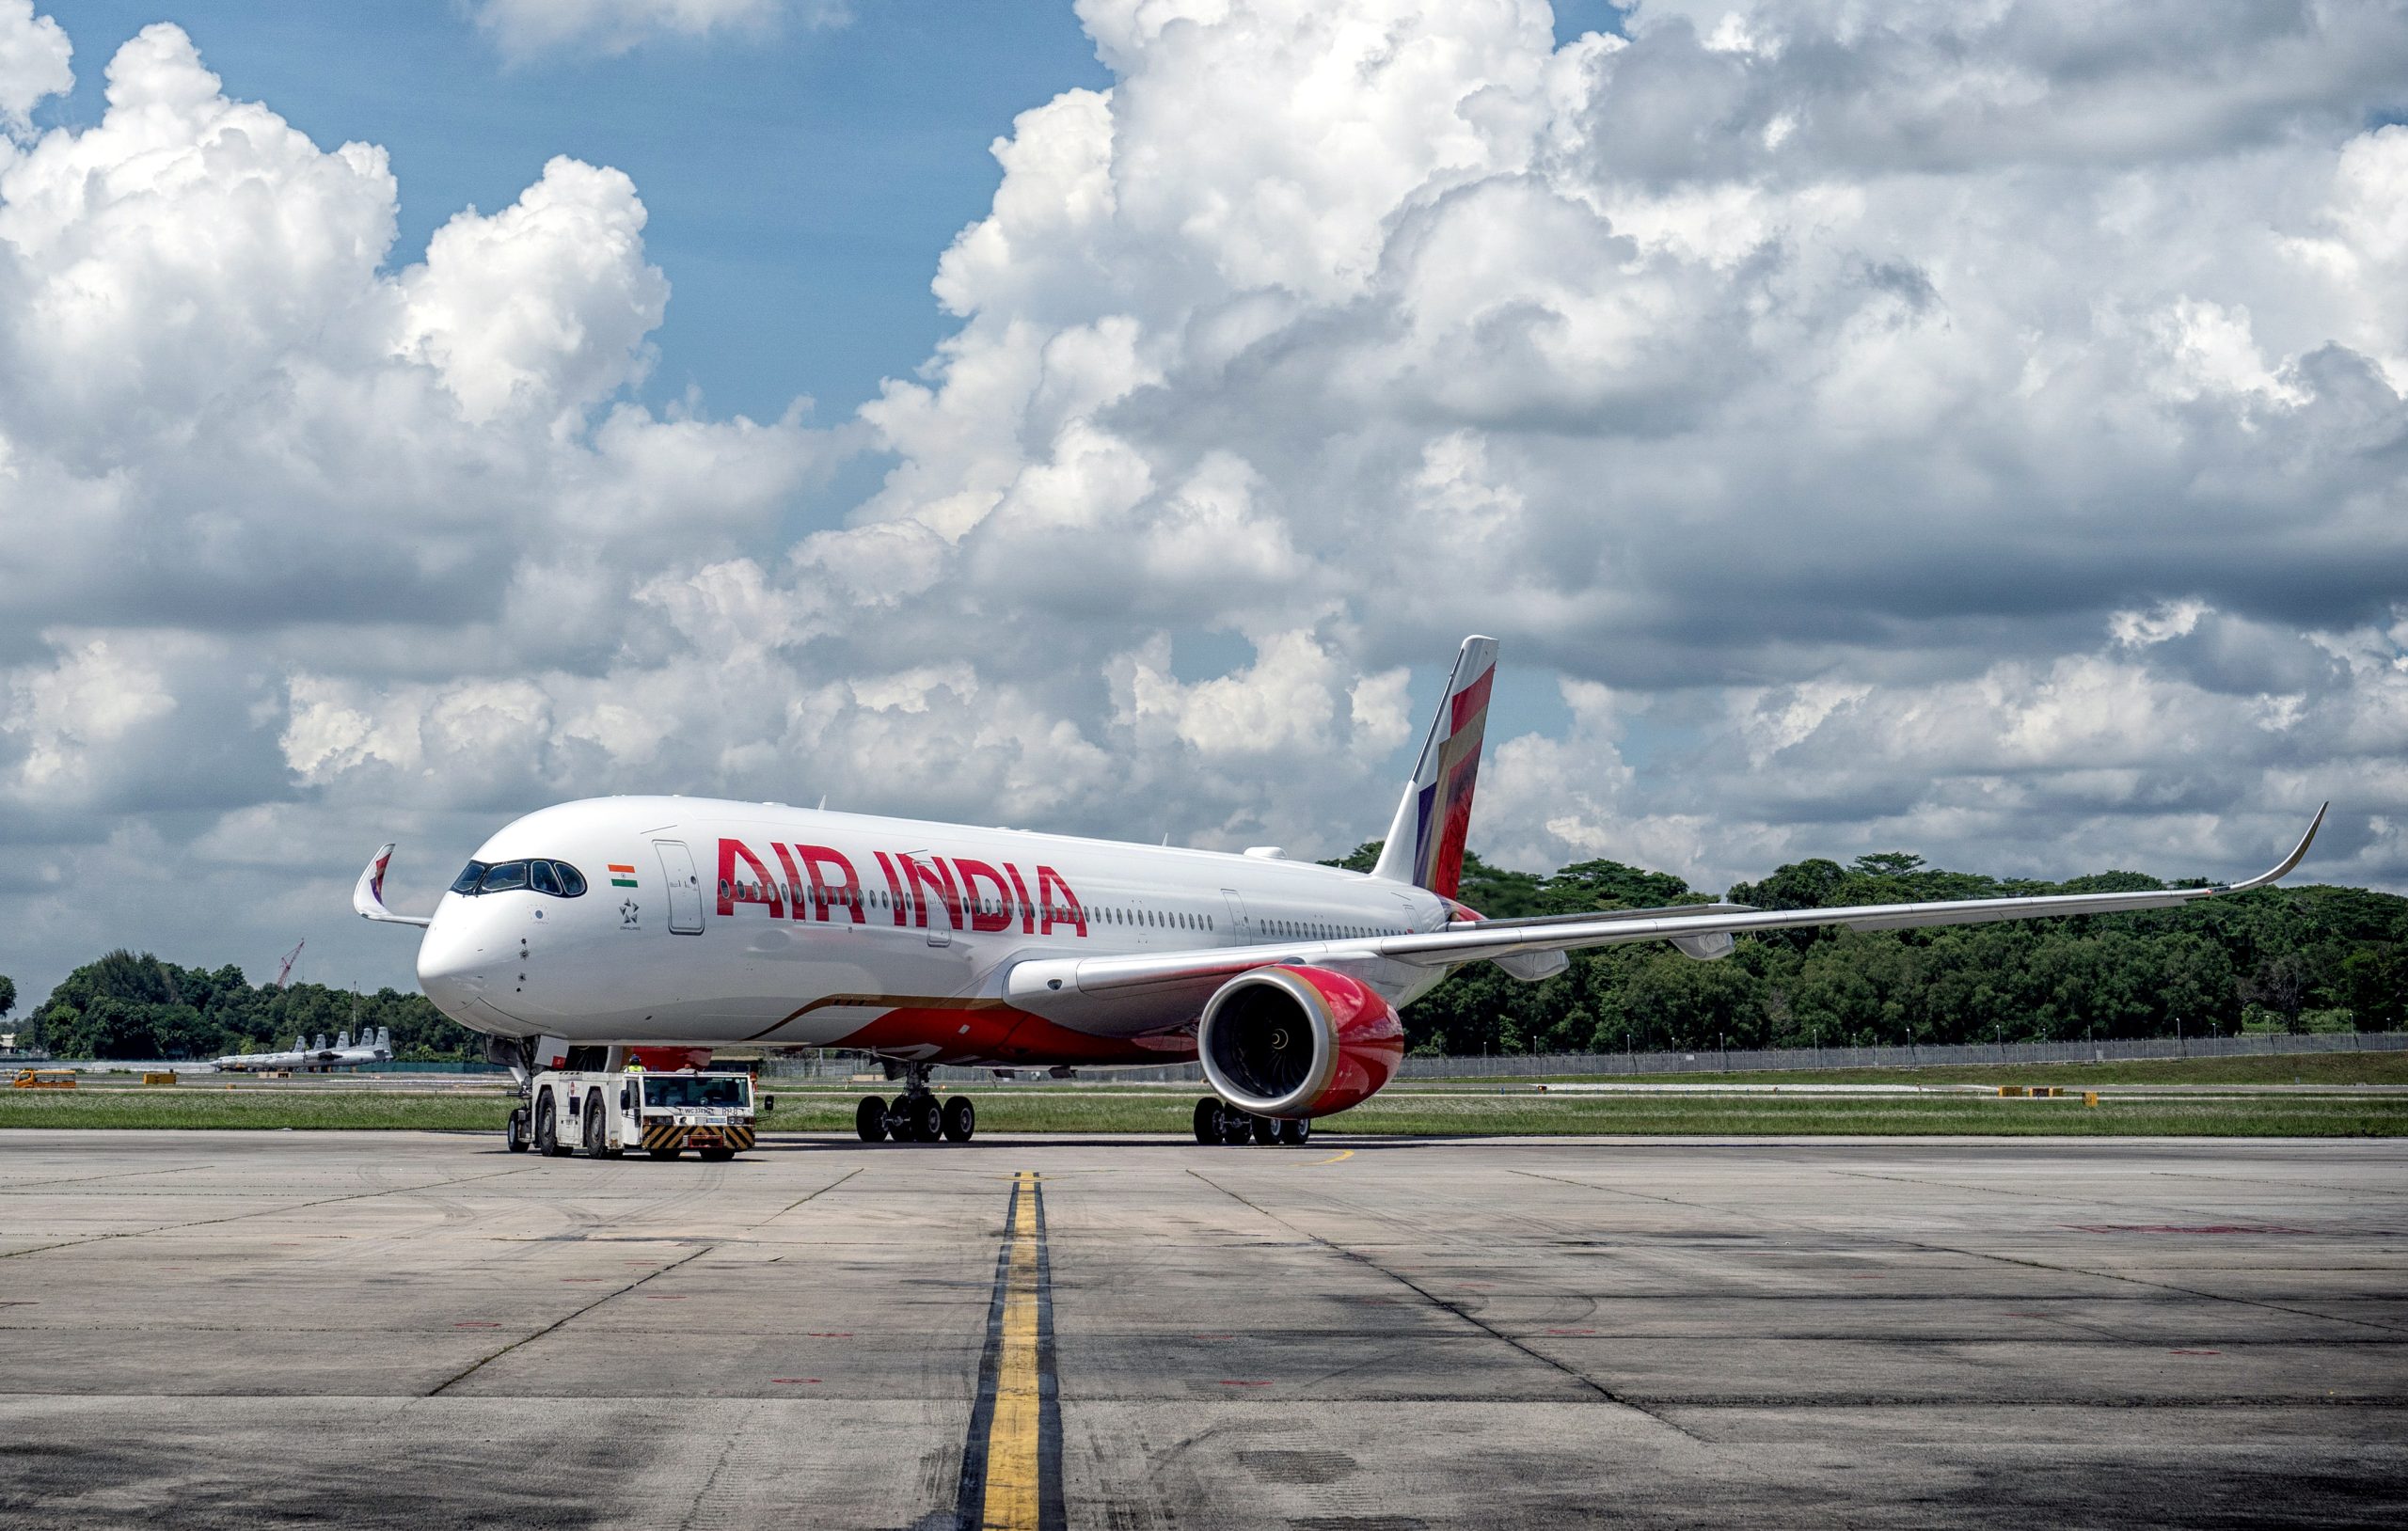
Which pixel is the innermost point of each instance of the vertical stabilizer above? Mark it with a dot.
(1425, 843)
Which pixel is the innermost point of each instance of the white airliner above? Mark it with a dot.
(375, 1047)
(692, 923)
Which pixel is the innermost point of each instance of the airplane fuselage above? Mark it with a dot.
(711, 923)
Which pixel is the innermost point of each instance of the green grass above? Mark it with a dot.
(1497, 1109)
(2308, 1069)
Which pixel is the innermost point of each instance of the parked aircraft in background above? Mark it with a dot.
(695, 922)
(317, 1057)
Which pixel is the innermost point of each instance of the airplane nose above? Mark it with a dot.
(452, 963)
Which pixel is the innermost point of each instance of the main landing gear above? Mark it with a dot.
(914, 1116)
(1223, 1124)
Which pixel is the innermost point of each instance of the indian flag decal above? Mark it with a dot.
(622, 877)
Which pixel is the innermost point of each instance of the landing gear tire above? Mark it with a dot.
(1237, 1126)
(514, 1131)
(1295, 1131)
(548, 1138)
(922, 1117)
(869, 1119)
(1266, 1130)
(960, 1119)
(1211, 1118)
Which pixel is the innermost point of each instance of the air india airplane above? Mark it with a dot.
(645, 924)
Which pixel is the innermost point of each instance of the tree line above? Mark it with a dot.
(2284, 957)
(130, 1005)
(2296, 958)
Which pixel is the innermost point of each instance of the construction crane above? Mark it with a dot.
(284, 975)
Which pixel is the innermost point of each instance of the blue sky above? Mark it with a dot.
(800, 183)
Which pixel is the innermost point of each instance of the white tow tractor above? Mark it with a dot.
(606, 1114)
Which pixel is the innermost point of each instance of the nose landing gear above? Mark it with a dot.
(1220, 1122)
(916, 1116)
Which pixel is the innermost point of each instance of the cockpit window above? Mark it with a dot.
(558, 878)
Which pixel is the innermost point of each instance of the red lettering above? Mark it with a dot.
(935, 877)
(893, 889)
(845, 892)
(980, 919)
(1019, 894)
(734, 890)
(1067, 909)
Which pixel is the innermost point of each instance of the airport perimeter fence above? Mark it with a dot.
(836, 1065)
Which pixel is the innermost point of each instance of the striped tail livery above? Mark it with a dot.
(1425, 843)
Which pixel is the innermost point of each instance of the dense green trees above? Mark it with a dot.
(130, 1006)
(2287, 956)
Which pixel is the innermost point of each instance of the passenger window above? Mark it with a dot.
(502, 879)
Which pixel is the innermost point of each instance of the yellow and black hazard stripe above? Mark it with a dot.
(737, 1136)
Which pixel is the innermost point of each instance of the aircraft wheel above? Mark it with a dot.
(1295, 1131)
(1266, 1130)
(716, 1156)
(514, 1131)
(548, 1137)
(597, 1128)
(869, 1119)
(1208, 1120)
(960, 1119)
(663, 1153)
(1237, 1126)
(927, 1118)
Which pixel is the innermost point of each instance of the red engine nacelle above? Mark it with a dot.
(1298, 1041)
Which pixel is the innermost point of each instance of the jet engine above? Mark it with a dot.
(1298, 1041)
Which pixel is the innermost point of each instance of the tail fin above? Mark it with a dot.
(1425, 845)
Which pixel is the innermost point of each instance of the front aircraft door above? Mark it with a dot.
(684, 888)
(1237, 916)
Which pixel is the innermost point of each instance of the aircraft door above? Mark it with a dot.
(1239, 925)
(684, 888)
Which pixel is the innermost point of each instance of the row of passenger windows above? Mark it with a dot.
(877, 898)
(558, 878)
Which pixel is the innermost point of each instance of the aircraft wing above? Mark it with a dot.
(1059, 979)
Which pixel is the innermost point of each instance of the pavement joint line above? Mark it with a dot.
(566, 1318)
(1978, 1255)
(262, 1211)
(1011, 1457)
(2058, 1195)
(1455, 1309)
(14, 1187)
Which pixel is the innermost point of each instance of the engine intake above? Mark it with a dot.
(1296, 1041)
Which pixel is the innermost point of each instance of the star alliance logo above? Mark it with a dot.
(628, 907)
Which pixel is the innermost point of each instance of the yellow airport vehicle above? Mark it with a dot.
(44, 1079)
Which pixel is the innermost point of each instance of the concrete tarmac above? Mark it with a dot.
(224, 1328)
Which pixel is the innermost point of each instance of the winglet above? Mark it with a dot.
(368, 894)
(2265, 879)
